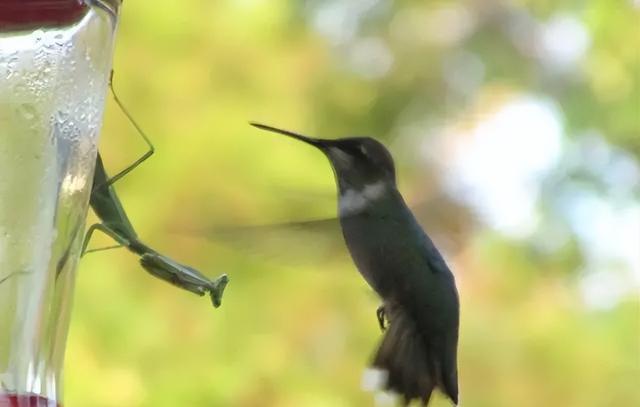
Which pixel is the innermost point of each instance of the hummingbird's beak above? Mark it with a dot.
(319, 143)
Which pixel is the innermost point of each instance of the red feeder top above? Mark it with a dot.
(16, 15)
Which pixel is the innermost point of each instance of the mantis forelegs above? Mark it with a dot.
(107, 231)
(144, 156)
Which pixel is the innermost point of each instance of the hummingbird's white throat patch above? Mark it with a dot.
(354, 201)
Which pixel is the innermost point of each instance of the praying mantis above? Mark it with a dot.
(114, 222)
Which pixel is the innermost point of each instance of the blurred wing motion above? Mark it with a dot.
(309, 241)
(295, 242)
(449, 223)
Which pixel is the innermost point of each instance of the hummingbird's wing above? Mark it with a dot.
(449, 223)
(307, 241)
(296, 242)
(310, 241)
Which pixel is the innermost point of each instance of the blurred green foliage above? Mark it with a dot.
(297, 325)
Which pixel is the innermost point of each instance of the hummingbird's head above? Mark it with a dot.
(358, 162)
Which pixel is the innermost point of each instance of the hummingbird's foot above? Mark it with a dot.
(217, 288)
(382, 317)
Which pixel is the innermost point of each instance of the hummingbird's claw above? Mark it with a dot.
(217, 288)
(381, 314)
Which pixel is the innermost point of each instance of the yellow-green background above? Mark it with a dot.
(297, 325)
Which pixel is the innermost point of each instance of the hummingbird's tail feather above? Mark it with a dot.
(413, 367)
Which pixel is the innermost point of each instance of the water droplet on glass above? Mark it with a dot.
(38, 35)
(61, 116)
(59, 39)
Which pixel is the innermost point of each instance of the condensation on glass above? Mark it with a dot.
(55, 61)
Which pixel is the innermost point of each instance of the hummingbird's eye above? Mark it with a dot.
(363, 150)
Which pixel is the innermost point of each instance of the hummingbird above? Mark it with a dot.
(418, 351)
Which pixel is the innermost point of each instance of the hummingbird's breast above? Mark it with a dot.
(377, 228)
(397, 259)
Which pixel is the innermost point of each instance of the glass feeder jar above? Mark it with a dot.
(55, 62)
